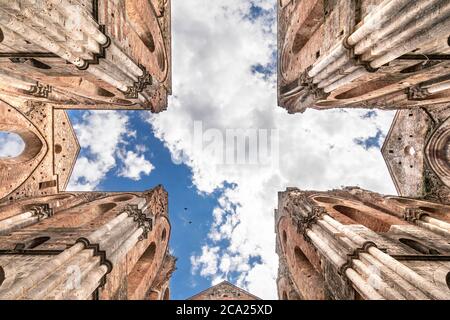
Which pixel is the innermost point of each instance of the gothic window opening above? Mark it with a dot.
(141, 269)
(146, 260)
(123, 198)
(306, 277)
(105, 207)
(139, 24)
(368, 87)
(326, 200)
(447, 280)
(47, 184)
(417, 246)
(38, 64)
(37, 242)
(406, 201)
(308, 28)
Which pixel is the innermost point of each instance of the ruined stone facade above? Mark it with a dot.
(76, 245)
(363, 53)
(57, 55)
(224, 291)
(354, 244)
(98, 54)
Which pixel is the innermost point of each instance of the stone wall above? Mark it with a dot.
(129, 262)
(356, 244)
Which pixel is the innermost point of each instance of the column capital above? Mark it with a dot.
(42, 211)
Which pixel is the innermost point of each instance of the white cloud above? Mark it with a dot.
(135, 166)
(11, 144)
(214, 50)
(102, 134)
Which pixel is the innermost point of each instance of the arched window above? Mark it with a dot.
(21, 147)
(38, 64)
(417, 246)
(163, 235)
(406, 201)
(11, 145)
(284, 238)
(308, 27)
(377, 222)
(36, 242)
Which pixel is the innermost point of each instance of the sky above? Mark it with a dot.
(223, 149)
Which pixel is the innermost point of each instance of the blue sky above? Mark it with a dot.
(190, 212)
(224, 62)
